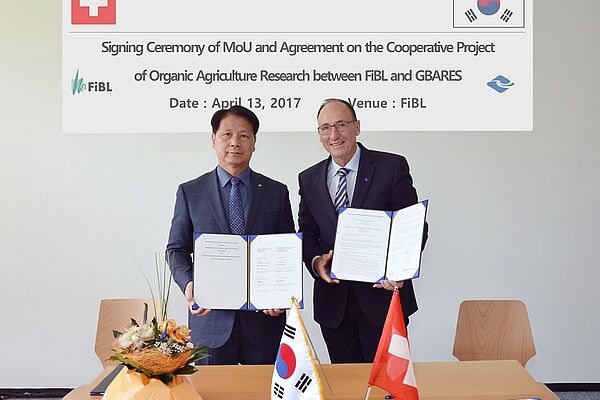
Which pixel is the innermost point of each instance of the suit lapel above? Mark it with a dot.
(213, 196)
(257, 192)
(366, 169)
(322, 191)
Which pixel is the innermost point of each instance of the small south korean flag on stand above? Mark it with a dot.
(295, 374)
(489, 13)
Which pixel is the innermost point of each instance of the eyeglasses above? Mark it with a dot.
(340, 126)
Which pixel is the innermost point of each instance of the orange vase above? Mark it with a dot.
(131, 385)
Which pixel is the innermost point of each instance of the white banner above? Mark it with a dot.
(156, 66)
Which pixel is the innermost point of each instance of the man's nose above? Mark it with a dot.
(334, 132)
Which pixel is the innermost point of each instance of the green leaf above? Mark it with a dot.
(155, 327)
(185, 370)
(145, 313)
(198, 353)
(134, 322)
(130, 364)
(165, 378)
(116, 334)
(200, 349)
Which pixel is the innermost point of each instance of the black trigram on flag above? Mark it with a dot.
(506, 15)
(471, 15)
(278, 390)
(303, 383)
(289, 331)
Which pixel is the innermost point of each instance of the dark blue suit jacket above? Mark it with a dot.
(383, 183)
(198, 208)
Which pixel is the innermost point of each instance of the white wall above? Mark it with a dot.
(512, 215)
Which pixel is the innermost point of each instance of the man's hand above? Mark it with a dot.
(322, 267)
(274, 312)
(189, 297)
(389, 284)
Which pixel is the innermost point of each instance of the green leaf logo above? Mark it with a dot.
(77, 84)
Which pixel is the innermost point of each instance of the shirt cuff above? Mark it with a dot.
(312, 265)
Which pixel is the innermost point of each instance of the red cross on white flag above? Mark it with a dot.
(392, 368)
(93, 12)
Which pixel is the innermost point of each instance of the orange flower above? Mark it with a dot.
(181, 334)
(168, 325)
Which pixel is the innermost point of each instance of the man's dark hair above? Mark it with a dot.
(238, 111)
(344, 102)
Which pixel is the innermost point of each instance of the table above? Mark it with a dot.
(453, 380)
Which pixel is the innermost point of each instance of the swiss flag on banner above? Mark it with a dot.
(93, 12)
(392, 368)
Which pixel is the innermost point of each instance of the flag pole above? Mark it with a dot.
(368, 392)
(313, 350)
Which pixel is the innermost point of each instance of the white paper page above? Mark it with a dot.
(361, 242)
(275, 270)
(405, 242)
(220, 271)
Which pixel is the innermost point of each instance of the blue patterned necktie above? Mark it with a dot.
(236, 208)
(341, 194)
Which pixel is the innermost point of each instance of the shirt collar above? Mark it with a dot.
(225, 176)
(352, 164)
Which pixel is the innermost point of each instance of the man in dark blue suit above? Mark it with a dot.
(230, 199)
(351, 314)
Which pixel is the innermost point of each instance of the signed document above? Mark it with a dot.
(275, 270)
(220, 271)
(371, 245)
(361, 244)
(247, 272)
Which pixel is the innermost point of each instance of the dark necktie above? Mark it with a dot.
(341, 194)
(236, 208)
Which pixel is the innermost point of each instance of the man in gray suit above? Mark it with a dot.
(230, 199)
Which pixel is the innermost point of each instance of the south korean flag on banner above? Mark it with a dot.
(295, 374)
(489, 13)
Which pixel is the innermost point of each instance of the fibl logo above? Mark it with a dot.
(78, 85)
(85, 12)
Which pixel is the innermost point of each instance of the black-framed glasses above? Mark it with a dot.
(340, 126)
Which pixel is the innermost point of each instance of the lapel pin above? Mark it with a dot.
(366, 179)
(260, 185)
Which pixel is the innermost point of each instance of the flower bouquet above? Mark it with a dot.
(155, 354)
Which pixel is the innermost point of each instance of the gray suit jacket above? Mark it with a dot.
(198, 208)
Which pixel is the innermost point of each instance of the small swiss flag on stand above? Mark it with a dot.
(85, 12)
(392, 368)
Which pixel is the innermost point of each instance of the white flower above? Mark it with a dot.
(125, 340)
(147, 332)
(136, 336)
(135, 329)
